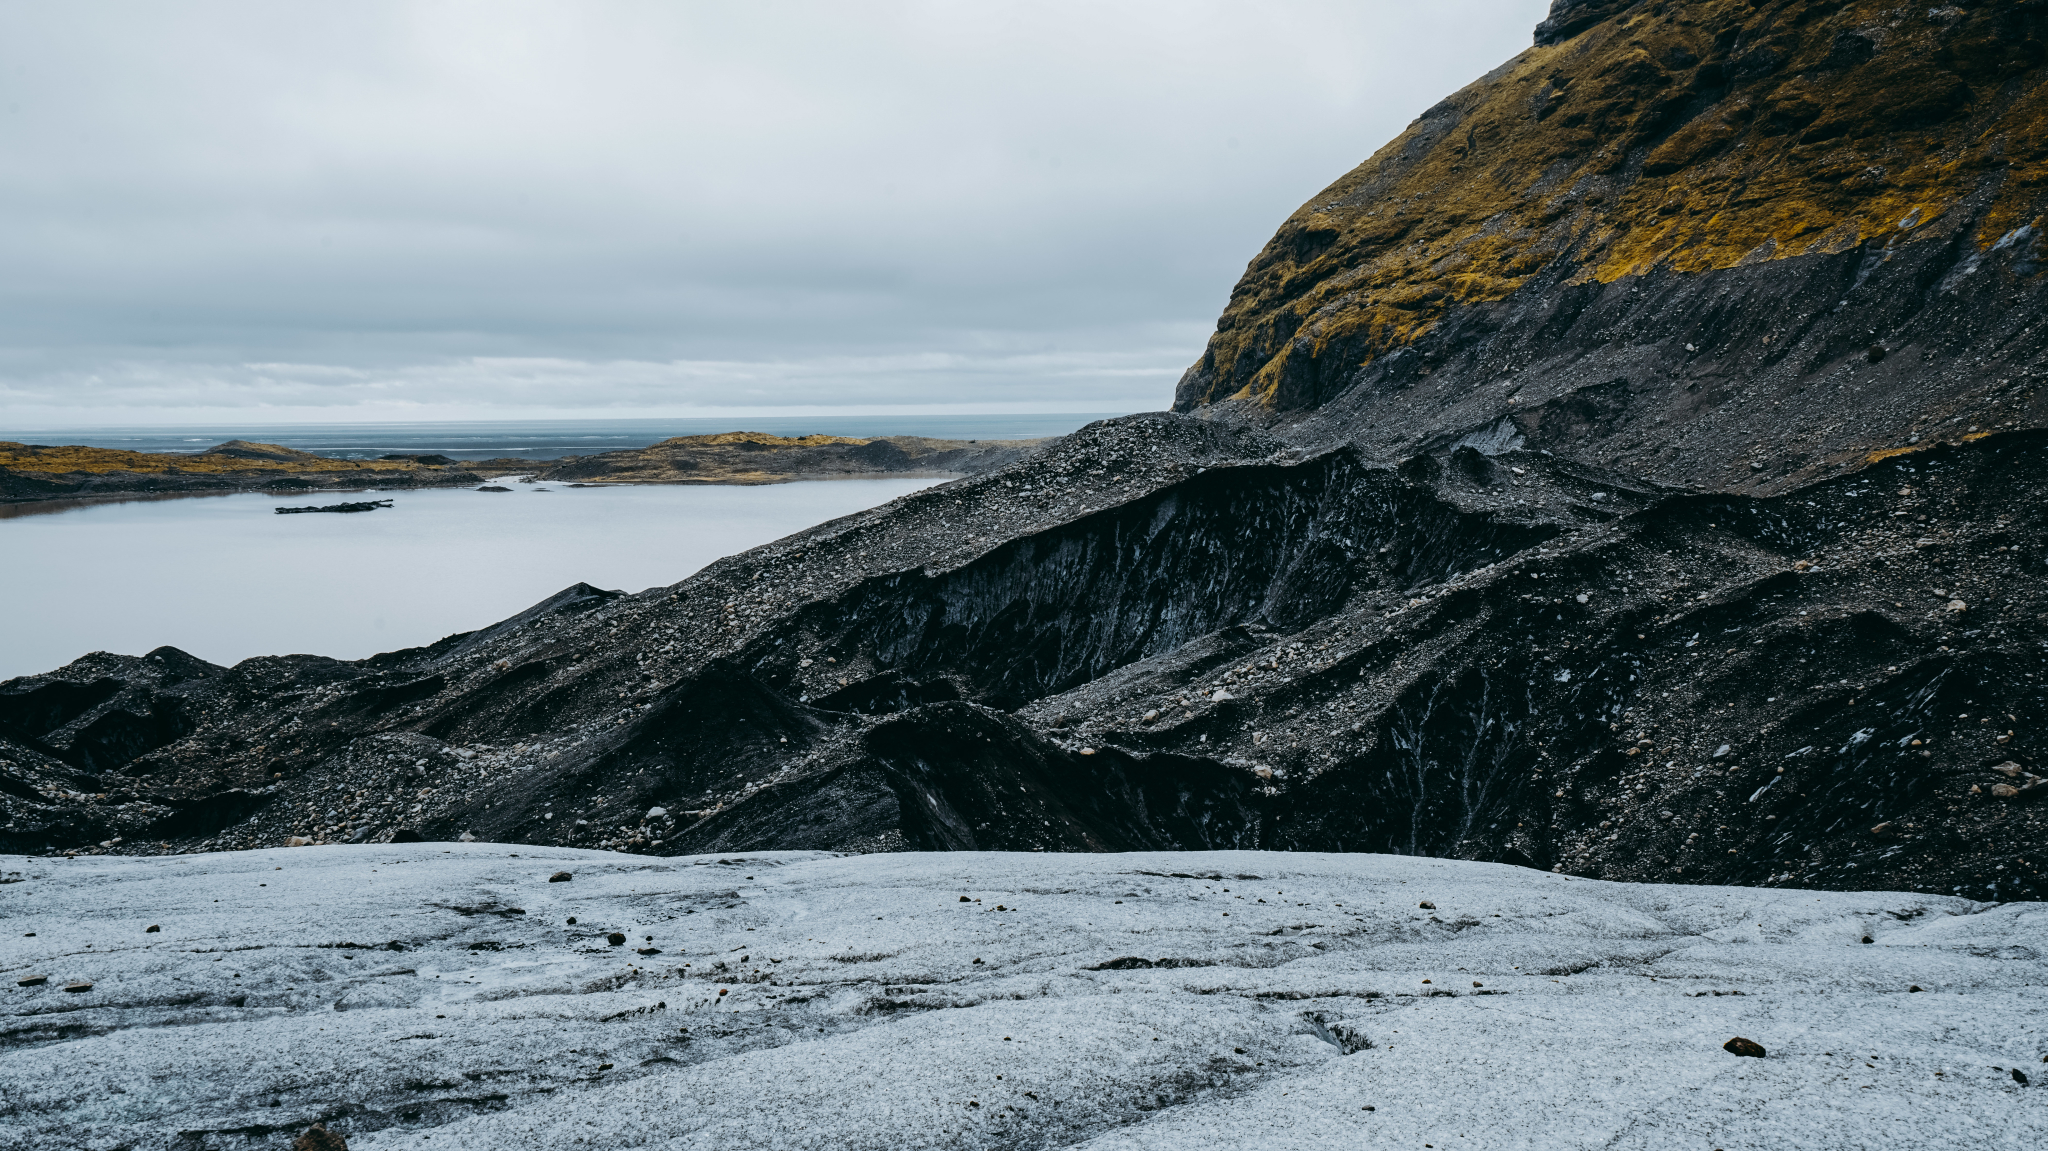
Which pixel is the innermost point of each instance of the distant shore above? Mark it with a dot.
(37, 473)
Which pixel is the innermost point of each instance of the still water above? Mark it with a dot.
(225, 578)
(546, 439)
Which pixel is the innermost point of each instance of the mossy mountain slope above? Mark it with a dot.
(1726, 242)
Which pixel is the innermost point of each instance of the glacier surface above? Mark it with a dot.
(436, 996)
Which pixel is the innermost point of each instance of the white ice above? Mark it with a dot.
(1314, 1004)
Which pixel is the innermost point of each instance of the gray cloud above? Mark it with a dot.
(451, 210)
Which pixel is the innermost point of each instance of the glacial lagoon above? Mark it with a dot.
(225, 578)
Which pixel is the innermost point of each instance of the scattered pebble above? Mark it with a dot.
(1741, 1046)
(561, 877)
(319, 1138)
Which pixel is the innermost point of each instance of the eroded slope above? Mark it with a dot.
(1169, 633)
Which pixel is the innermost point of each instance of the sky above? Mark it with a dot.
(297, 212)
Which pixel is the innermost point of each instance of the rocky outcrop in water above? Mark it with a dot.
(1440, 612)
(343, 509)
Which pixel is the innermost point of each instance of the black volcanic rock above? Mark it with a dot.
(1516, 657)
(1768, 610)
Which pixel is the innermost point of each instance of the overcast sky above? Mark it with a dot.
(287, 212)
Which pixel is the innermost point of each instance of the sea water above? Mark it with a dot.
(225, 577)
(547, 439)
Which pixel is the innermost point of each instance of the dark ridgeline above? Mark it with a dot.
(32, 473)
(1633, 470)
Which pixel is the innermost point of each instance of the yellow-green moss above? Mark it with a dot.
(1619, 151)
(761, 438)
(78, 458)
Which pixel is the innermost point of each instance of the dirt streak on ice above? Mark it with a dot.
(435, 996)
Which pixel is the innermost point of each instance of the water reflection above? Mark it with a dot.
(56, 507)
(224, 578)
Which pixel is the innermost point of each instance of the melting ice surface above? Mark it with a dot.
(225, 578)
(449, 997)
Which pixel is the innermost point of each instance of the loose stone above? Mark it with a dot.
(319, 1138)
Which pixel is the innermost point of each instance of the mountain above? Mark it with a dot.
(1516, 578)
(1729, 243)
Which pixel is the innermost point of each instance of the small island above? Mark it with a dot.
(37, 472)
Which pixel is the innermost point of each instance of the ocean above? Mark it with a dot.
(546, 439)
(225, 578)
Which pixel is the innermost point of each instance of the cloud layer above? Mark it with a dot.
(455, 210)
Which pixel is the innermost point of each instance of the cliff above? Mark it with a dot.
(1731, 243)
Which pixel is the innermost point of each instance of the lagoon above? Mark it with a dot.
(225, 578)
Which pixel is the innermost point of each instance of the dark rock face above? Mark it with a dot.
(1164, 632)
(1527, 580)
(1568, 18)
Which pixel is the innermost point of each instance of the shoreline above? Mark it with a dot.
(77, 476)
(56, 505)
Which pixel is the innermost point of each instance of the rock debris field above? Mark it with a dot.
(446, 996)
